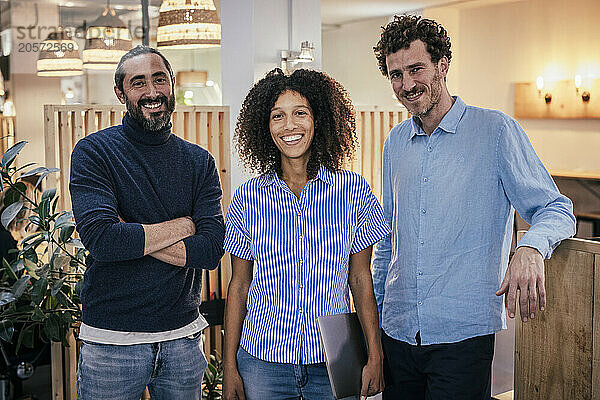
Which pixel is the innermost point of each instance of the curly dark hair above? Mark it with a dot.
(334, 139)
(404, 30)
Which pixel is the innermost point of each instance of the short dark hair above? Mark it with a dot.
(405, 29)
(334, 137)
(137, 51)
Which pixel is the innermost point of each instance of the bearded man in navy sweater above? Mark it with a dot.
(147, 207)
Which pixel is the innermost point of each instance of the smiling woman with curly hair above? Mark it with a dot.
(334, 126)
(299, 234)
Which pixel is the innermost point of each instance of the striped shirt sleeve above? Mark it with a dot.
(372, 225)
(237, 237)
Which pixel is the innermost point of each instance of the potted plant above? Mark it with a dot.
(39, 288)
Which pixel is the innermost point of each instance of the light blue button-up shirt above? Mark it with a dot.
(301, 248)
(449, 199)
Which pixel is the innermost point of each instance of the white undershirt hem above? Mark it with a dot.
(106, 336)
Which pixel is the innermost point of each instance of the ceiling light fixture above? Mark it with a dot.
(186, 24)
(107, 40)
(59, 56)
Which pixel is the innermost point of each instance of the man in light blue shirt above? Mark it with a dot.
(452, 176)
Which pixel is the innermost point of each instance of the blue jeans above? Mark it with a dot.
(276, 381)
(172, 370)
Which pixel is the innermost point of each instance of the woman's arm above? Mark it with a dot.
(235, 312)
(361, 284)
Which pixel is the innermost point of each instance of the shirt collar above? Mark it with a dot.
(450, 121)
(271, 178)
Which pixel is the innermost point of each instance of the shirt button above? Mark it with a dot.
(430, 149)
(425, 179)
(424, 211)
(301, 286)
(420, 273)
(300, 237)
(419, 303)
(299, 213)
(301, 261)
(422, 242)
(300, 311)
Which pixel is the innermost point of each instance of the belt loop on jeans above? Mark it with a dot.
(418, 338)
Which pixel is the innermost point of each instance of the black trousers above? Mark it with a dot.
(450, 371)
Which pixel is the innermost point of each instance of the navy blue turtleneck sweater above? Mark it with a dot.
(146, 178)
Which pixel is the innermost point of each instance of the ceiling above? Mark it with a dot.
(333, 12)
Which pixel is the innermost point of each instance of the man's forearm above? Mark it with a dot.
(164, 234)
(174, 254)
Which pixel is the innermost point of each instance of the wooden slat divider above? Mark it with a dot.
(376, 138)
(373, 124)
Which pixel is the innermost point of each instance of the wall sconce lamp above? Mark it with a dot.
(585, 95)
(560, 104)
(290, 58)
(540, 86)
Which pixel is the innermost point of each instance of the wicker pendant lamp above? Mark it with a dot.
(59, 56)
(107, 40)
(186, 24)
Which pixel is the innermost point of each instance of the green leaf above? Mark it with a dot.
(56, 286)
(6, 297)
(31, 268)
(14, 194)
(24, 166)
(44, 209)
(76, 243)
(35, 171)
(40, 287)
(60, 261)
(11, 153)
(30, 237)
(6, 330)
(78, 285)
(54, 203)
(67, 318)
(9, 270)
(31, 255)
(35, 220)
(44, 174)
(62, 298)
(65, 219)
(66, 232)
(52, 327)
(25, 338)
(38, 315)
(10, 213)
(20, 285)
(49, 194)
(42, 271)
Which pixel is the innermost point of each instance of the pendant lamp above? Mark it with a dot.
(59, 56)
(186, 24)
(107, 40)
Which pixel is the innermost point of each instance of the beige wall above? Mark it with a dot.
(516, 42)
(494, 46)
(29, 91)
(348, 57)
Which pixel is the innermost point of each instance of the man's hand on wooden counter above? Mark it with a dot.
(525, 272)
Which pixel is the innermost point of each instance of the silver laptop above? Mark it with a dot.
(345, 351)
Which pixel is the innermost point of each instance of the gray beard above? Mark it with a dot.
(154, 123)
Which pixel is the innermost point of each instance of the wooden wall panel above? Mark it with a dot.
(556, 354)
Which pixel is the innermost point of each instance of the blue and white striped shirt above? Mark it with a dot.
(301, 249)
